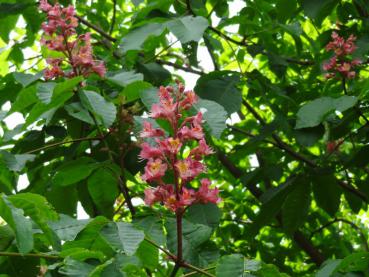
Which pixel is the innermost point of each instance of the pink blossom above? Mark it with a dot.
(99, 69)
(45, 6)
(206, 194)
(186, 133)
(154, 170)
(149, 132)
(170, 145)
(189, 100)
(149, 152)
(189, 168)
(201, 150)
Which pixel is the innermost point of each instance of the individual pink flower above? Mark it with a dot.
(170, 145)
(189, 168)
(154, 170)
(149, 132)
(201, 150)
(148, 152)
(186, 133)
(189, 100)
(206, 194)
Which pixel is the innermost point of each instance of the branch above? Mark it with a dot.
(353, 225)
(114, 15)
(63, 142)
(29, 255)
(96, 28)
(177, 66)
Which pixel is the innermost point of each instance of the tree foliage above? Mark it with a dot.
(290, 142)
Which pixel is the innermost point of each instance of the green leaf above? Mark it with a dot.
(314, 112)
(76, 110)
(74, 171)
(25, 98)
(328, 268)
(67, 227)
(16, 162)
(230, 266)
(7, 9)
(124, 236)
(354, 262)
(296, 207)
(206, 214)
(66, 86)
(36, 207)
(125, 78)
(188, 28)
(153, 228)
(133, 91)
(154, 73)
(72, 267)
(103, 188)
(149, 255)
(193, 236)
(45, 91)
(135, 38)
(327, 192)
(221, 87)
(214, 115)
(95, 103)
(26, 79)
(21, 226)
(272, 201)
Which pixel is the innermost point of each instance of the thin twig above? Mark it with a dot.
(29, 255)
(61, 143)
(113, 18)
(353, 225)
(96, 28)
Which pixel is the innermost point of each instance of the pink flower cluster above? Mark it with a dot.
(60, 35)
(341, 63)
(165, 153)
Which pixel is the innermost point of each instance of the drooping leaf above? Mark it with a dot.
(21, 226)
(230, 266)
(188, 28)
(125, 78)
(16, 162)
(103, 188)
(314, 112)
(206, 214)
(214, 115)
(96, 104)
(221, 87)
(124, 236)
(74, 171)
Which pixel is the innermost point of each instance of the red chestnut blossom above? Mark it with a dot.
(154, 170)
(341, 64)
(148, 152)
(189, 168)
(206, 194)
(166, 154)
(60, 35)
(149, 132)
(201, 150)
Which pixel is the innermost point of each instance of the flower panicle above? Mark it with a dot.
(165, 152)
(60, 35)
(341, 64)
